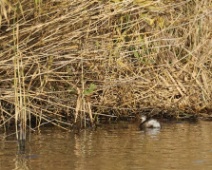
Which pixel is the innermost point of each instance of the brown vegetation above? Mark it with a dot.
(63, 61)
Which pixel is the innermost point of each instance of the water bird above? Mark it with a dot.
(149, 123)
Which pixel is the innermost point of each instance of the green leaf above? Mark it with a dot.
(90, 89)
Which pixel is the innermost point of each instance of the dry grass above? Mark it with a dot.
(61, 61)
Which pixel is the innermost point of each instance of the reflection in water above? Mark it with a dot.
(21, 162)
(122, 146)
(152, 132)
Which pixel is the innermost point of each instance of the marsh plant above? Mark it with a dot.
(70, 62)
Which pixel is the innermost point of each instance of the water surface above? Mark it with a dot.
(120, 146)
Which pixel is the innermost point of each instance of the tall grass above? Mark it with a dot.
(65, 61)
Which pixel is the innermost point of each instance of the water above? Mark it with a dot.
(182, 146)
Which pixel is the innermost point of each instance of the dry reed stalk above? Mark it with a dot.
(19, 91)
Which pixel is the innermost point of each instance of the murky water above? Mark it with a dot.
(182, 146)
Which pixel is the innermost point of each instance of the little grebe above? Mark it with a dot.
(149, 123)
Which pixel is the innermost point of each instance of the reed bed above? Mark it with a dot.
(67, 62)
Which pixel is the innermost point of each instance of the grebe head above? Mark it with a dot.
(143, 118)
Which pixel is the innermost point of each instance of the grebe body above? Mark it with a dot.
(149, 123)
